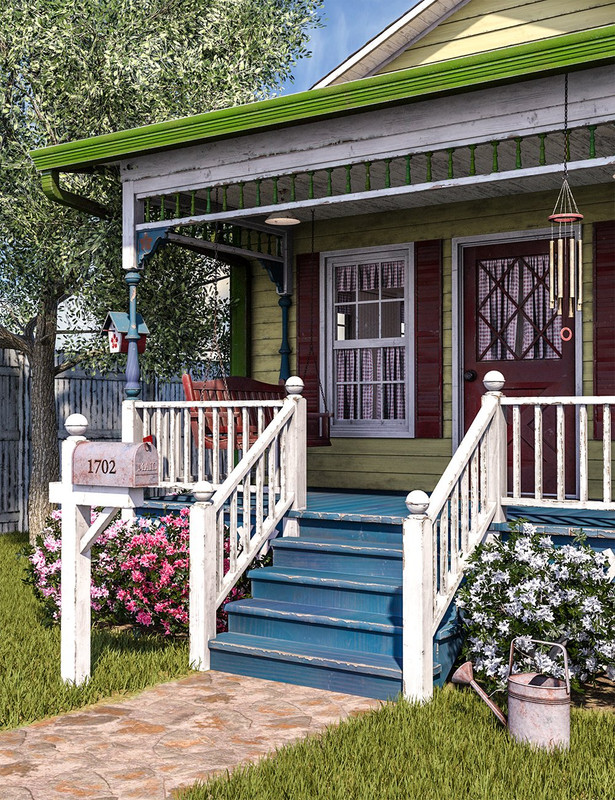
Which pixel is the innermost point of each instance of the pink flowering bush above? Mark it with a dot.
(140, 574)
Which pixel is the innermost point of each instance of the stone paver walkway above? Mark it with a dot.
(169, 736)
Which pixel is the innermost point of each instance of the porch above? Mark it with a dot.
(360, 595)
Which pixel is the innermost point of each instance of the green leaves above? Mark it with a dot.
(68, 71)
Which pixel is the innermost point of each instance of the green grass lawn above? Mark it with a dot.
(30, 683)
(449, 749)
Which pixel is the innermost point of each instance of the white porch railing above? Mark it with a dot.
(443, 530)
(197, 440)
(231, 522)
(571, 415)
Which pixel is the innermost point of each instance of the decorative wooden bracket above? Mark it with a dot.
(149, 242)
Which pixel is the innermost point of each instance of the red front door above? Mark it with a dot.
(509, 326)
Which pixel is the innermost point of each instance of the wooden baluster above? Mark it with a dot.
(454, 541)
(387, 173)
(271, 478)
(561, 452)
(516, 451)
(260, 495)
(171, 440)
(159, 443)
(450, 172)
(518, 140)
(465, 512)
(233, 532)
(311, 185)
(472, 159)
(538, 478)
(408, 170)
(187, 445)
(215, 446)
(220, 537)
(246, 508)
(592, 141)
(329, 181)
(484, 496)
(230, 441)
(606, 452)
(473, 496)
(348, 167)
(542, 159)
(275, 189)
(443, 552)
(201, 444)
(368, 176)
(293, 187)
(495, 166)
(583, 465)
(428, 174)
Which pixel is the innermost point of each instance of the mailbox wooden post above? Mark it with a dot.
(108, 474)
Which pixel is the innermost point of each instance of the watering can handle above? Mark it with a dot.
(551, 644)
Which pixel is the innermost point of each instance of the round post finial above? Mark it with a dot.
(494, 381)
(417, 501)
(203, 491)
(76, 425)
(294, 385)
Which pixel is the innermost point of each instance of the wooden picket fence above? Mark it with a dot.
(99, 398)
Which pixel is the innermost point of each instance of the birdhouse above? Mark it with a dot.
(116, 327)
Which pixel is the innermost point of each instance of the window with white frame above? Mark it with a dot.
(368, 358)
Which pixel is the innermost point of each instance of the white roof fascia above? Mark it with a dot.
(365, 61)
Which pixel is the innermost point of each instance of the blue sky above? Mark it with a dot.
(348, 24)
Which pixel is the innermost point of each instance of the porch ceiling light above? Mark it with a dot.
(282, 218)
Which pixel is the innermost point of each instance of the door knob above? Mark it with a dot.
(470, 375)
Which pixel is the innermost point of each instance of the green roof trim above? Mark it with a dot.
(555, 54)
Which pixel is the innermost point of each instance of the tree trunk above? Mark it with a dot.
(45, 463)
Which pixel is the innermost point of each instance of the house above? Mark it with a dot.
(397, 233)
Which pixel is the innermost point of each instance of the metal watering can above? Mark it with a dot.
(538, 705)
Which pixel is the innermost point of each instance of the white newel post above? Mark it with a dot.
(497, 479)
(296, 453)
(418, 593)
(203, 585)
(132, 422)
(75, 573)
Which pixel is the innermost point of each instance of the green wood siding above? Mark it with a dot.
(484, 25)
(405, 464)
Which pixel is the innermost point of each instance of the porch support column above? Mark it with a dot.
(133, 373)
(285, 303)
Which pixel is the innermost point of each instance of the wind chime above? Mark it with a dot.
(566, 245)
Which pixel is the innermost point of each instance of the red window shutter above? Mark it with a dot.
(308, 344)
(604, 315)
(428, 339)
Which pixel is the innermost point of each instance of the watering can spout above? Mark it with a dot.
(465, 676)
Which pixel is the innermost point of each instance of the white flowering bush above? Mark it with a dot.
(525, 586)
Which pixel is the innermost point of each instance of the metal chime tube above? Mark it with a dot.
(571, 275)
(580, 274)
(551, 273)
(560, 274)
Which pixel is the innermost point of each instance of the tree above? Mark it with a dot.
(71, 70)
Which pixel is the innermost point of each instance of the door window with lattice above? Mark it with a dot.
(514, 319)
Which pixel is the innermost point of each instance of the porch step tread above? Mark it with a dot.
(340, 516)
(310, 654)
(318, 615)
(333, 545)
(366, 583)
(564, 530)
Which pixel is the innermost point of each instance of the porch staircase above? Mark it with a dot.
(327, 613)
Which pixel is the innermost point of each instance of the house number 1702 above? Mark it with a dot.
(107, 467)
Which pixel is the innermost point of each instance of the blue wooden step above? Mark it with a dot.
(306, 664)
(343, 528)
(339, 555)
(376, 594)
(329, 627)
